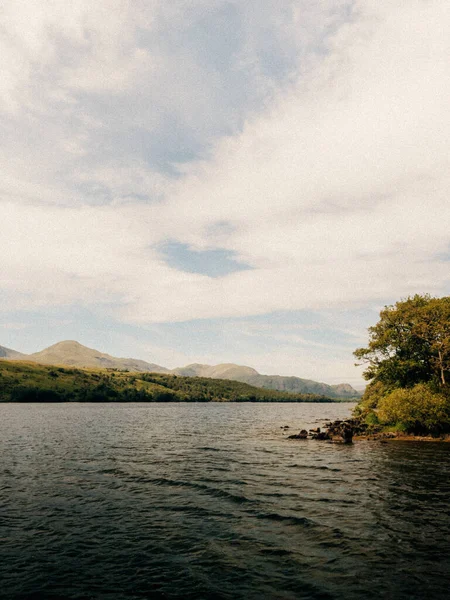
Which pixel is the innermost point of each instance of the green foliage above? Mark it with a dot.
(371, 418)
(31, 382)
(23, 393)
(202, 389)
(397, 428)
(417, 409)
(372, 395)
(408, 366)
(410, 344)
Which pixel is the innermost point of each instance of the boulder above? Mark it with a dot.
(320, 435)
(302, 435)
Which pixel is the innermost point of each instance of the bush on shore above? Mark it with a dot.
(418, 409)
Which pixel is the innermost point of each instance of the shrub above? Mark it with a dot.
(417, 409)
(371, 418)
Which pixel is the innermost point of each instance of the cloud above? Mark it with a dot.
(323, 165)
(13, 326)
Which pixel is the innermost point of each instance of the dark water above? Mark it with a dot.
(212, 501)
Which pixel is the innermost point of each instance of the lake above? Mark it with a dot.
(212, 501)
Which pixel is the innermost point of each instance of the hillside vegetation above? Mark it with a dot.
(291, 384)
(408, 366)
(27, 382)
(73, 354)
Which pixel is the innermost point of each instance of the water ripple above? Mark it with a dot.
(137, 501)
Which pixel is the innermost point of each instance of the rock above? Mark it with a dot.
(320, 435)
(303, 435)
(342, 431)
(347, 434)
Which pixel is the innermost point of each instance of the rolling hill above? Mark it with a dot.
(74, 354)
(22, 381)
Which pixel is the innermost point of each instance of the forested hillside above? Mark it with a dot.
(28, 382)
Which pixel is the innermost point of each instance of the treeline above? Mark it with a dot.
(28, 382)
(204, 389)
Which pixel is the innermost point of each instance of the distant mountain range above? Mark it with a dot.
(74, 354)
(271, 382)
(8, 353)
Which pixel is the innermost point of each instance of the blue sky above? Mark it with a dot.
(221, 181)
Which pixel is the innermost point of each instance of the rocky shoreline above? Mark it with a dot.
(349, 430)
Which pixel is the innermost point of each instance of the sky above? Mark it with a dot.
(221, 180)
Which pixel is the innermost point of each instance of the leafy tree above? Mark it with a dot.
(408, 366)
(410, 344)
(433, 329)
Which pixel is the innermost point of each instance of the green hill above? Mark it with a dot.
(28, 382)
(73, 354)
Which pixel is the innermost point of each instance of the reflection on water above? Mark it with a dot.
(212, 501)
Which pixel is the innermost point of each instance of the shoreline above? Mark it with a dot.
(393, 437)
(351, 430)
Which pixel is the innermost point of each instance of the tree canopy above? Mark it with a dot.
(410, 344)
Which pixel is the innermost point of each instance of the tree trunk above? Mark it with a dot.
(441, 367)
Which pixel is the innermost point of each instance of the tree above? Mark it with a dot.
(410, 344)
(408, 366)
(434, 330)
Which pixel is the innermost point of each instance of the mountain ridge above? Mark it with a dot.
(8, 353)
(72, 353)
(282, 383)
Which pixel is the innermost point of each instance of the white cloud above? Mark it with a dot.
(336, 190)
(13, 326)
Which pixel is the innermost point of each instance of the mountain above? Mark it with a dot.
(223, 371)
(272, 382)
(73, 354)
(8, 353)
